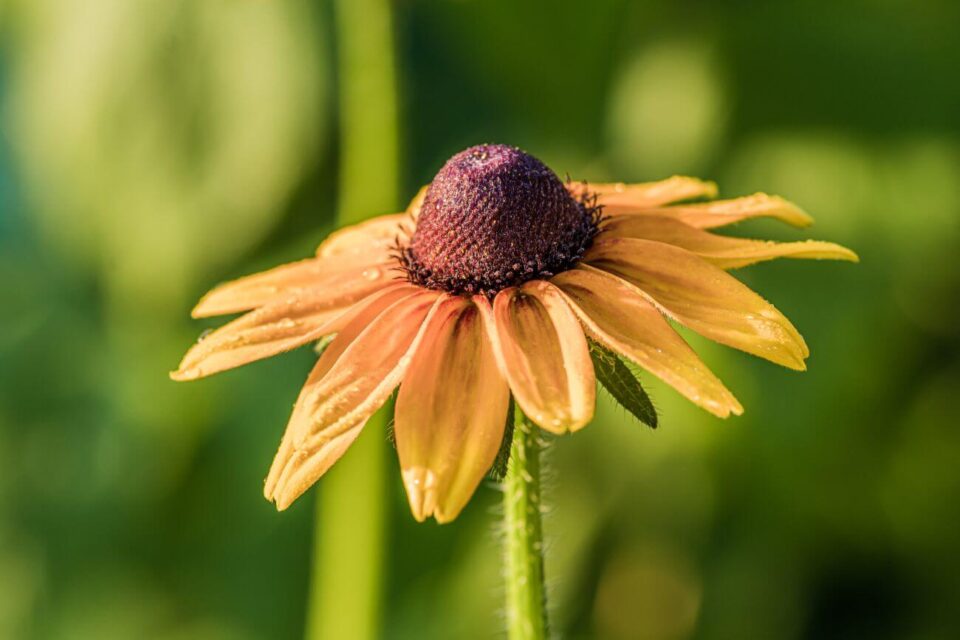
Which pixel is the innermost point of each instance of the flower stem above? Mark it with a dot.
(523, 530)
(349, 530)
(347, 573)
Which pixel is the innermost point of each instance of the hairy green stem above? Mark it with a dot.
(347, 573)
(523, 532)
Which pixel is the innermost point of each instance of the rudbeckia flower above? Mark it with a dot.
(495, 284)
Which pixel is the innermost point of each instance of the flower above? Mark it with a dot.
(488, 287)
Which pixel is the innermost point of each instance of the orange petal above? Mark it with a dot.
(300, 422)
(353, 378)
(306, 277)
(719, 213)
(723, 251)
(368, 242)
(450, 412)
(645, 194)
(702, 297)
(620, 317)
(310, 465)
(542, 352)
(279, 327)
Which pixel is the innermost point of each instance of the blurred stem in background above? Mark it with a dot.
(523, 535)
(347, 572)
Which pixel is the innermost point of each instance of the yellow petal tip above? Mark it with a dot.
(783, 210)
(282, 502)
(829, 251)
(556, 426)
(445, 518)
(421, 484)
(184, 375)
(849, 255)
(711, 190)
(792, 214)
(205, 308)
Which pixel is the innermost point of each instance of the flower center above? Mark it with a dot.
(496, 217)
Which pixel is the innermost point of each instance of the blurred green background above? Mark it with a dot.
(151, 148)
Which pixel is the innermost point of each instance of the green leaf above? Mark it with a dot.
(623, 383)
(499, 468)
(391, 430)
(391, 433)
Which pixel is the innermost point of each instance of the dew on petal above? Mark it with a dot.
(373, 273)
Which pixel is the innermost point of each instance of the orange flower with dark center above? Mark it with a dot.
(488, 287)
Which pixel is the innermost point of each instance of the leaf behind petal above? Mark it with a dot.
(623, 383)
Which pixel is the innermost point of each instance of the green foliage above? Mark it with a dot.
(623, 382)
(499, 468)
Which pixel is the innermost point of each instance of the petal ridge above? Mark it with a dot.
(645, 194)
(273, 329)
(725, 252)
(450, 412)
(311, 276)
(352, 379)
(702, 297)
(542, 352)
(370, 240)
(621, 318)
(720, 213)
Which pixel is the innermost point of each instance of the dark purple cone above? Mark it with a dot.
(496, 217)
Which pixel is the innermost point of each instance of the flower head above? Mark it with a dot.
(496, 217)
(490, 287)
